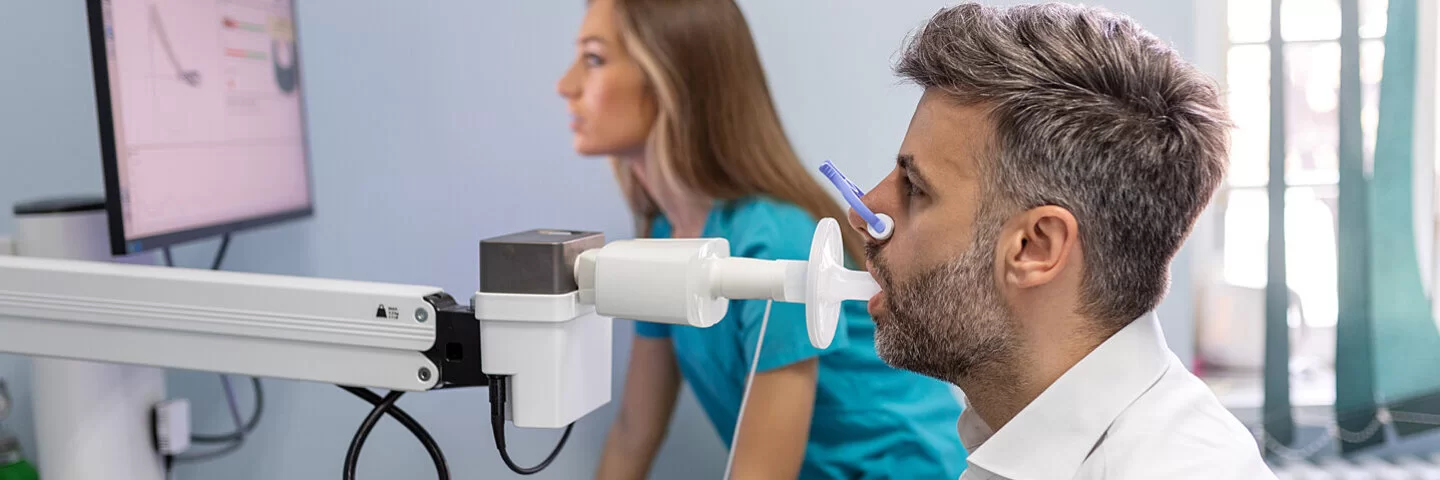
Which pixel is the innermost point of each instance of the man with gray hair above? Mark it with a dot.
(1056, 162)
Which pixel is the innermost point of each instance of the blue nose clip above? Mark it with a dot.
(879, 225)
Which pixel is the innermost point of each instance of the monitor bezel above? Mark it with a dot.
(119, 245)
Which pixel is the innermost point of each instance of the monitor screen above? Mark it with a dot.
(201, 117)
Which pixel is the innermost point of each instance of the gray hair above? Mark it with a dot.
(1091, 114)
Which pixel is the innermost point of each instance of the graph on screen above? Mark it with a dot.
(206, 103)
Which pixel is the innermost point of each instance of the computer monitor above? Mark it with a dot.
(202, 122)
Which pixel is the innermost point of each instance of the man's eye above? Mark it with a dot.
(910, 189)
(593, 60)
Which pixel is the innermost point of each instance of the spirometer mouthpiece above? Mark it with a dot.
(690, 281)
(828, 283)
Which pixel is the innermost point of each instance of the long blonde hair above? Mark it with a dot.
(716, 131)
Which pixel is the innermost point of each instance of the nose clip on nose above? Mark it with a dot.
(880, 225)
(887, 225)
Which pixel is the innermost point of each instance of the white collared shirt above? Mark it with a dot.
(1128, 411)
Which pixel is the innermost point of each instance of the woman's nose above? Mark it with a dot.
(566, 86)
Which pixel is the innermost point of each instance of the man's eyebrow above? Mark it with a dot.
(906, 162)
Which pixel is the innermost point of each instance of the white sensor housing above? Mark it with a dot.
(654, 280)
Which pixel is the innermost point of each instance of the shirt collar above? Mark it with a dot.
(1052, 436)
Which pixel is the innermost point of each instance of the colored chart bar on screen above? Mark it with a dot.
(246, 54)
(234, 24)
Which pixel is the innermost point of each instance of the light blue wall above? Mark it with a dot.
(415, 109)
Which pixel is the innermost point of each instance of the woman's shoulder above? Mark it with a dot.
(768, 223)
(764, 211)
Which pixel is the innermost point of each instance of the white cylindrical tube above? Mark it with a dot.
(655, 280)
(747, 278)
(70, 235)
(92, 420)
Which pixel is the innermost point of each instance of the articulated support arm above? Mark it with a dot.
(540, 317)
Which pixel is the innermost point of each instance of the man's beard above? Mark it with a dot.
(948, 322)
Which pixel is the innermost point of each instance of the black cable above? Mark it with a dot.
(387, 406)
(249, 425)
(352, 456)
(220, 254)
(497, 423)
(169, 260)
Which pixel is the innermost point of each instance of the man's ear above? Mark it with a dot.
(1038, 245)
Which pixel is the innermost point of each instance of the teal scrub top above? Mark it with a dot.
(870, 420)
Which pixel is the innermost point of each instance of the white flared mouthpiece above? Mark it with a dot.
(828, 283)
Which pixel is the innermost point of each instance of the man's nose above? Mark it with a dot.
(875, 200)
(857, 223)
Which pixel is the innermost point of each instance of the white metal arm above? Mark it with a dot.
(259, 325)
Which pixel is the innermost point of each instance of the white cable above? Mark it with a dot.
(745, 397)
